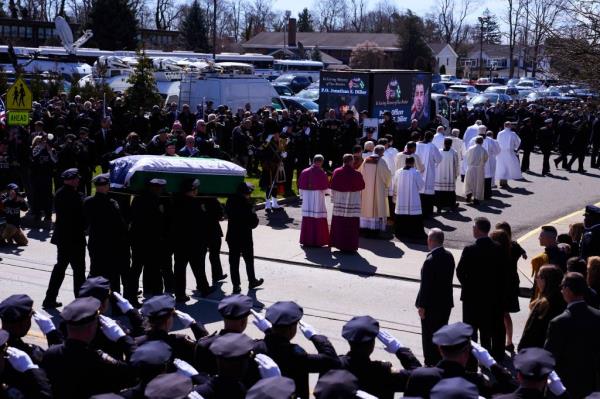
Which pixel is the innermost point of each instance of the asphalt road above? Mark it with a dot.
(529, 203)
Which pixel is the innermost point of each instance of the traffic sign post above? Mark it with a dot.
(18, 103)
(18, 118)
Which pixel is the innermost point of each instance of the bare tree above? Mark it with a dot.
(331, 14)
(543, 16)
(368, 55)
(451, 20)
(381, 18)
(514, 13)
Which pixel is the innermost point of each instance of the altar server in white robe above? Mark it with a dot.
(475, 159)
(409, 151)
(407, 183)
(430, 156)
(492, 148)
(438, 138)
(470, 133)
(445, 177)
(507, 167)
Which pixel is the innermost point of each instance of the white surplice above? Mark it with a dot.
(401, 162)
(438, 140)
(447, 171)
(492, 148)
(508, 167)
(407, 183)
(313, 203)
(430, 156)
(471, 132)
(475, 175)
(390, 159)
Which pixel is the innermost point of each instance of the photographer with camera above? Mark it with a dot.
(13, 202)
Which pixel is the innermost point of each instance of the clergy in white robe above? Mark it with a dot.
(313, 184)
(409, 151)
(445, 177)
(389, 156)
(438, 138)
(508, 167)
(407, 184)
(471, 132)
(492, 148)
(475, 158)
(374, 207)
(430, 156)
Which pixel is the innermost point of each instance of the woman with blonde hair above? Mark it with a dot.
(575, 232)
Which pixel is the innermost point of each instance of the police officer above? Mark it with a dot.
(535, 367)
(159, 312)
(375, 377)
(172, 386)
(16, 313)
(108, 242)
(454, 342)
(12, 205)
(273, 388)
(187, 220)
(149, 361)
(213, 211)
(455, 387)
(74, 367)
(280, 327)
(69, 237)
(546, 143)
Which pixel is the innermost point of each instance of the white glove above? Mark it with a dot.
(267, 366)
(482, 355)
(110, 328)
(122, 303)
(307, 330)
(555, 385)
(44, 322)
(260, 322)
(364, 395)
(284, 155)
(194, 395)
(184, 368)
(390, 342)
(20, 360)
(184, 318)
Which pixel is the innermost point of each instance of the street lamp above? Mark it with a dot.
(288, 14)
(482, 21)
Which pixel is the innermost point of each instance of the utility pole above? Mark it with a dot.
(288, 13)
(483, 21)
(214, 38)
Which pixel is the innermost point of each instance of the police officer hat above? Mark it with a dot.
(97, 287)
(71, 173)
(158, 306)
(16, 307)
(106, 396)
(169, 386)
(101, 180)
(157, 182)
(336, 384)
(454, 388)
(232, 345)
(4, 335)
(190, 185)
(235, 307)
(534, 363)
(84, 130)
(81, 311)
(592, 210)
(284, 313)
(454, 334)
(12, 186)
(549, 120)
(151, 354)
(360, 329)
(272, 388)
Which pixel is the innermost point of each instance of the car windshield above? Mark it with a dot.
(310, 94)
(459, 88)
(284, 79)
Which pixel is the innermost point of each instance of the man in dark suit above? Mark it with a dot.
(573, 339)
(481, 275)
(105, 143)
(434, 300)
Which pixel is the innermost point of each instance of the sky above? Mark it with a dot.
(420, 7)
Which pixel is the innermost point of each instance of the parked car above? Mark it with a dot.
(298, 103)
(513, 82)
(448, 78)
(310, 93)
(439, 88)
(500, 80)
(523, 93)
(485, 98)
(550, 95)
(282, 90)
(513, 92)
(294, 82)
(458, 92)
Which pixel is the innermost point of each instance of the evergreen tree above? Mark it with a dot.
(194, 29)
(142, 92)
(13, 9)
(3, 81)
(2, 12)
(414, 51)
(315, 54)
(114, 25)
(368, 55)
(305, 21)
(491, 30)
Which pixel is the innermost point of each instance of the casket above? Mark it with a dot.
(217, 177)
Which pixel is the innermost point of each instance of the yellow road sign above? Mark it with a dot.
(18, 97)
(18, 118)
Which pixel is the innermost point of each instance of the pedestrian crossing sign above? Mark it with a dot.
(18, 97)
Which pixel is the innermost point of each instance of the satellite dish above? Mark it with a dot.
(64, 33)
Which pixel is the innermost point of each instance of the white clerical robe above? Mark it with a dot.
(447, 171)
(438, 140)
(390, 159)
(492, 148)
(430, 157)
(407, 184)
(313, 203)
(475, 175)
(471, 132)
(508, 167)
(401, 161)
(374, 202)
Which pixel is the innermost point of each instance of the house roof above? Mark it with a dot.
(332, 40)
(491, 50)
(325, 58)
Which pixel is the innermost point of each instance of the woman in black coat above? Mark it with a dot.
(547, 306)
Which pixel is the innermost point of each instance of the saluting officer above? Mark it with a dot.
(69, 237)
(375, 377)
(272, 388)
(149, 361)
(108, 242)
(280, 327)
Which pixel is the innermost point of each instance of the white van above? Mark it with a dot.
(235, 91)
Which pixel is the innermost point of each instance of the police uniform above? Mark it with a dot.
(293, 361)
(456, 336)
(336, 384)
(69, 238)
(172, 386)
(75, 369)
(148, 361)
(108, 242)
(272, 388)
(232, 348)
(375, 377)
(11, 209)
(183, 346)
(454, 388)
(17, 308)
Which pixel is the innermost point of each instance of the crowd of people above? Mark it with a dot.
(50, 167)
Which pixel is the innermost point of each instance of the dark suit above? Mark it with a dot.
(435, 296)
(482, 276)
(105, 143)
(573, 340)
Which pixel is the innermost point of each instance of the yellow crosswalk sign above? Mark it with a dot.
(18, 97)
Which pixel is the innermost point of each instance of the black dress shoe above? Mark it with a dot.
(51, 304)
(256, 283)
(237, 289)
(219, 278)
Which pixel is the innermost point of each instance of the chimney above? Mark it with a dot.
(292, 32)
